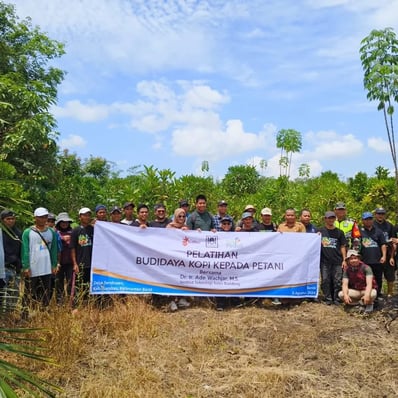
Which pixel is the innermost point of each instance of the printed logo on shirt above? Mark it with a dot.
(84, 240)
(329, 242)
(369, 242)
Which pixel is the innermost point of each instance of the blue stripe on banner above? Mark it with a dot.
(106, 284)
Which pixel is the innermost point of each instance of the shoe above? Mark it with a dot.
(328, 302)
(219, 308)
(183, 303)
(337, 302)
(276, 301)
(173, 306)
(368, 309)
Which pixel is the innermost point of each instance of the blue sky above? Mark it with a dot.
(175, 83)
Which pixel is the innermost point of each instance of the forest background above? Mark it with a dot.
(35, 172)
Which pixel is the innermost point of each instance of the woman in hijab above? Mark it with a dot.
(178, 222)
(179, 219)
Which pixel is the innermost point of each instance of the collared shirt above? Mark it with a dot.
(296, 227)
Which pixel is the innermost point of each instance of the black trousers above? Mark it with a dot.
(37, 290)
(331, 276)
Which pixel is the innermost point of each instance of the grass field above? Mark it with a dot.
(133, 350)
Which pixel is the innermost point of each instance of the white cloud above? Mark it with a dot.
(378, 144)
(330, 145)
(215, 144)
(90, 112)
(73, 141)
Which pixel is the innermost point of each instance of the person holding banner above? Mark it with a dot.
(178, 223)
(178, 220)
(161, 219)
(142, 216)
(81, 246)
(200, 219)
(290, 224)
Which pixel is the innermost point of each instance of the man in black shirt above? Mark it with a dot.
(374, 249)
(81, 245)
(333, 254)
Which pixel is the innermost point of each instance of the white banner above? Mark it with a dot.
(174, 262)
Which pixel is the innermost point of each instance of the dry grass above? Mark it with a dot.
(132, 350)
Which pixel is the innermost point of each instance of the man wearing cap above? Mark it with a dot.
(128, 209)
(359, 284)
(247, 223)
(221, 213)
(161, 220)
(116, 214)
(387, 228)
(332, 262)
(343, 223)
(101, 213)
(374, 249)
(63, 226)
(200, 219)
(11, 248)
(249, 209)
(81, 245)
(39, 259)
(266, 224)
(290, 224)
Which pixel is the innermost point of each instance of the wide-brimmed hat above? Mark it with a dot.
(64, 216)
(352, 252)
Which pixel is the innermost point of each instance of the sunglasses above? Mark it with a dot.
(181, 216)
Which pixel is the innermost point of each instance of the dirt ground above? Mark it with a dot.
(133, 350)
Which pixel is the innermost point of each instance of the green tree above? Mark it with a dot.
(289, 141)
(28, 87)
(379, 57)
(241, 180)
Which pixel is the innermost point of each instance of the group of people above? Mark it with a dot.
(55, 258)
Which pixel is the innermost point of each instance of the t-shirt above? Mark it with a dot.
(203, 221)
(371, 242)
(267, 228)
(159, 224)
(39, 251)
(331, 243)
(82, 241)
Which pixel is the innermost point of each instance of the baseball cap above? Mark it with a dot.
(246, 214)
(6, 213)
(226, 219)
(40, 212)
(183, 203)
(51, 216)
(380, 210)
(266, 211)
(340, 205)
(127, 204)
(250, 207)
(352, 252)
(222, 203)
(367, 215)
(100, 207)
(330, 214)
(115, 209)
(84, 210)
